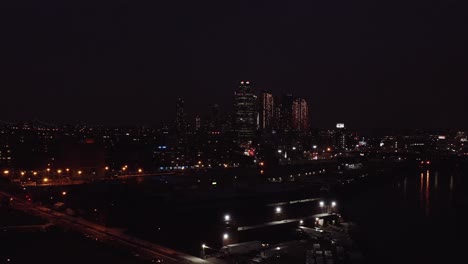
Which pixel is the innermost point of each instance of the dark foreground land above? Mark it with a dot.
(58, 246)
(405, 214)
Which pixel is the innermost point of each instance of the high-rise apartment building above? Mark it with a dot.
(300, 115)
(267, 110)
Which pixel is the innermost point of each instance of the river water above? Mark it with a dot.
(417, 218)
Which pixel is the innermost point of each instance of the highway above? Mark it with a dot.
(114, 236)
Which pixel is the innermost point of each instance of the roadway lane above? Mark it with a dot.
(142, 247)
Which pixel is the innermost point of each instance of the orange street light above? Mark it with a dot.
(6, 172)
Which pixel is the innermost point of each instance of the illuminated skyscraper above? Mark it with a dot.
(197, 123)
(267, 110)
(245, 113)
(341, 137)
(300, 115)
(181, 123)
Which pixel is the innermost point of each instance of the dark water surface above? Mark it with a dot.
(420, 217)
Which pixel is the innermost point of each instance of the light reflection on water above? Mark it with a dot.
(427, 205)
(432, 189)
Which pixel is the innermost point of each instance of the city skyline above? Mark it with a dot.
(128, 64)
(191, 114)
(217, 132)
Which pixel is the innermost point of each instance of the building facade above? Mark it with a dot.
(267, 110)
(245, 113)
(300, 115)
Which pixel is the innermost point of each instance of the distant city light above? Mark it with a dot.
(333, 204)
(227, 217)
(322, 204)
(45, 180)
(6, 172)
(278, 210)
(225, 236)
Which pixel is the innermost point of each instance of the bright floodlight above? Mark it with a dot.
(322, 204)
(203, 246)
(278, 248)
(227, 217)
(225, 236)
(333, 204)
(301, 222)
(278, 210)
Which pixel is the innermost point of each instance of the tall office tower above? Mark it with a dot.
(181, 123)
(286, 112)
(215, 118)
(197, 123)
(300, 115)
(266, 110)
(245, 113)
(340, 137)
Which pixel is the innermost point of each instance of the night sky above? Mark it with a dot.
(368, 63)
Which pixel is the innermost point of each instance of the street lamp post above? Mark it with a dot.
(227, 218)
(203, 250)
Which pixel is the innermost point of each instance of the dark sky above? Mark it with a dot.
(366, 63)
